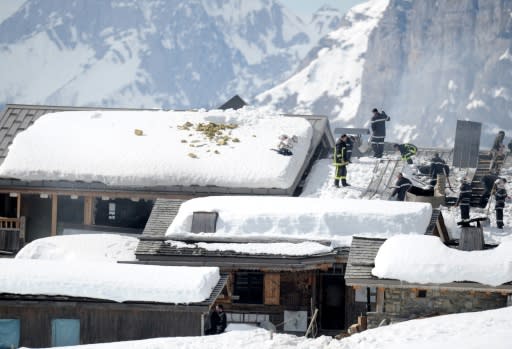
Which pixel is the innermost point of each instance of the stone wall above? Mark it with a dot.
(409, 303)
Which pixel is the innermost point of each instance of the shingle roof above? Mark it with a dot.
(162, 215)
(361, 258)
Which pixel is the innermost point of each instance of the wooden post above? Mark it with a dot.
(88, 211)
(53, 230)
(18, 206)
(380, 300)
(272, 285)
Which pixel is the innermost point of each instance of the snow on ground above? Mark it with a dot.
(103, 146)
(467, 330)
(303, 218)
(112, 281)
(425, 259)
(82, 247)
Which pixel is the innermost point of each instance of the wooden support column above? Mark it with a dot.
(88, 210)
(272, 286)
(18, 206)
(380, 300)
(53, 230)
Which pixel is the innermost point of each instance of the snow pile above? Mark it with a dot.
(425, 259)
(112, 281)
(150, 148)
(474, 330)
(254, 248)
(81, 247)
(303, 218)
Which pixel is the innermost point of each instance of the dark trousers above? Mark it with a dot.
(377, 146)
(499, 218)
(341, 173)
(464, 212)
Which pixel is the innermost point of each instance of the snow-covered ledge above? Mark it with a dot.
(425, 259)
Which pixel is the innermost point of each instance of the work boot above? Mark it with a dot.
(344, 183)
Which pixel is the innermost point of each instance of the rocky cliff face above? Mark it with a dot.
(429, 63)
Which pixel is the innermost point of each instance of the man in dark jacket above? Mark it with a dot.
(340, 162)
(500, 196)
(464, 199)
(407, 150)
(402, 186)
(218, 322)
(488, 184)
(378, 127)
(437, 167)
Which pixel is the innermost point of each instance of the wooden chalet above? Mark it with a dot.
(49, 321)
(266, 287)
(387, 300)
(35, 209)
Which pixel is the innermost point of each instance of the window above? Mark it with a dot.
(249, 287)
(421, 293)
(9, 333)
(65, 332)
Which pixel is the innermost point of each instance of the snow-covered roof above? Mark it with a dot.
(160, 148)
(425, 259)
(110, 281)
(302, 218)
(82, 247)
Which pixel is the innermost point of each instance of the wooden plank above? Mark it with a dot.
(53, 230)
(88, 210)
(272, 285)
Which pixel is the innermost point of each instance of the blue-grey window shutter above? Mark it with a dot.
(9, 333)
(65, 332)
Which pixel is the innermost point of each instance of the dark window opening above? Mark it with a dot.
(123, 213)
(422, 293)
(8, 206)
(70, 210)
(249, 288)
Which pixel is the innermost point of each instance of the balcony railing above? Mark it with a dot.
(12, 234)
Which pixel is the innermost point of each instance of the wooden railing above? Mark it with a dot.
(12, 233)
(9, 223)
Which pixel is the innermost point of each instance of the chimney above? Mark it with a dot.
(471, 239)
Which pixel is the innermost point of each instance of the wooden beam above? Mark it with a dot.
(88, 210)
(53, 230)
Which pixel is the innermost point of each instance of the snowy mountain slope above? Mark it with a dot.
(169, 54)
(330, 83)
(426, 63)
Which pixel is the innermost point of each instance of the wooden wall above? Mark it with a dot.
(102, 322)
